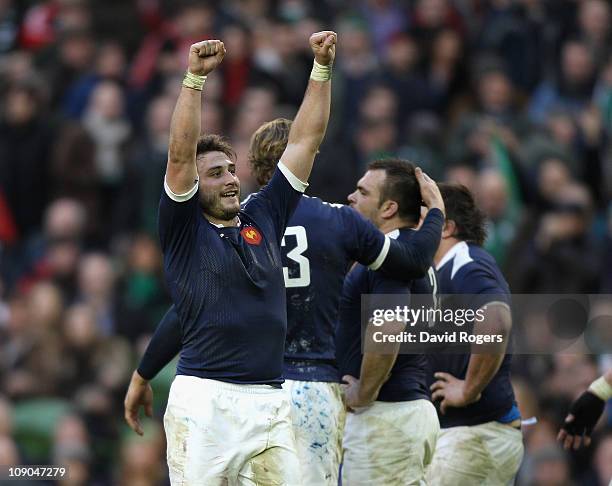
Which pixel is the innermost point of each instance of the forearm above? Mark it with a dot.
(375, 371)
(481, 370)
(163, 347)
(310, 123)
(484, 364)
(184, 133)
(412, 259)
(376, 366)
(308, 129)
(185, 127)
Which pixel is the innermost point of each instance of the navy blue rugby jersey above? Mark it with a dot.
(227, 283)
(469, 270)
(320, 243)
(408, 380)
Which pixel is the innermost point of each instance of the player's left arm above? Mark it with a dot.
(400, 260)
(310, 123)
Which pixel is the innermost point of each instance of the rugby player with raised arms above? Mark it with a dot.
(227, 420)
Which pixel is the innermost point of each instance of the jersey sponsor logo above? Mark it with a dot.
(251, 235)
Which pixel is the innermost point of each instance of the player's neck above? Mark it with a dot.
(445, 245)
(394, 224)
(235, 221)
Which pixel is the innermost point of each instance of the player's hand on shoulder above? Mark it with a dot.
(323, 45)
(430, 192)
(139, 394)
(205, 56)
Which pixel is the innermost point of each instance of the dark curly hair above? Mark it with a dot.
(461, 208)
(215, 143)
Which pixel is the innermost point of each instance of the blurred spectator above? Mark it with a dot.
(550, 468)
(147, 166)
(163, 49)
(25, 142)
(68, 61)
(603, 459)
(492, 197)
(496, 117)
(431, 16)
(573, 87)
(110, 64)
(6, 418)
(401, 75)
(96, 288)
(386, 19)
(54, 254)
(8, 26)
(356, 66)
(560, 255)
(9, 455)
(515, 31)
(446, 68)
(102, 363)
(594, 28)
(141, 459)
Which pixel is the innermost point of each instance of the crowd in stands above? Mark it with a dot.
(512, 98)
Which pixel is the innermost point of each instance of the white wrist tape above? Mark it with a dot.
(601, 388)
(320, 72)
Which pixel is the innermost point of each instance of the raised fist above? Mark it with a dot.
(323, 45)
(205, 56)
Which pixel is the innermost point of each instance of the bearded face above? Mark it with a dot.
(219, 187)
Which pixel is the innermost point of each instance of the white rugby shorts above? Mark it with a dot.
(389, 443)
(318, 414)
(488, 454)
(227, 434)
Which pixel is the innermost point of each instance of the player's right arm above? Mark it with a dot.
(483, 294)
(181, 171)
(483, 365)
(585, 412)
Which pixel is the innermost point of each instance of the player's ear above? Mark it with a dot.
(449, 229)
(388, 209)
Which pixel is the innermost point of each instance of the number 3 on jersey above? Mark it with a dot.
(302, 279)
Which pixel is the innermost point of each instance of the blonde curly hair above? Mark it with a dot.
(267, 145)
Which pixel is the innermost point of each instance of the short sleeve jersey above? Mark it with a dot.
(320, 243)
(227, 282)
(469, 270)
(408, 375)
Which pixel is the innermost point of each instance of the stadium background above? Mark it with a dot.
(511, 97)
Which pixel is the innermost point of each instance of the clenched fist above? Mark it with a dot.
(205, 56)
(323, 45)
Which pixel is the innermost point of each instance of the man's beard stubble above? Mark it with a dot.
(211, 205)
